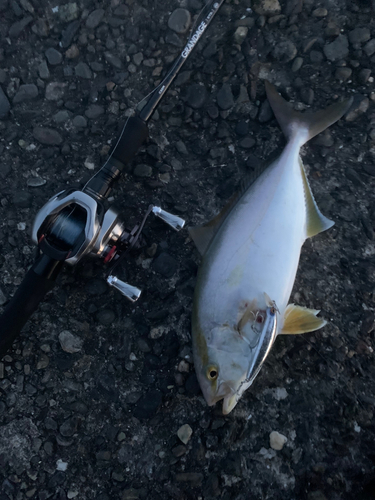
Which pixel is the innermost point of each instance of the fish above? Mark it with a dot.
(250, 255)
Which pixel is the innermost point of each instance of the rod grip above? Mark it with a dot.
(26, 300)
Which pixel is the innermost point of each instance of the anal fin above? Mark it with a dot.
(299, 319)
(316, 222)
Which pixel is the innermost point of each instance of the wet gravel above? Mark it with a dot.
(95, 391)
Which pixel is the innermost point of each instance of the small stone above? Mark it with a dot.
(320, 12)
(69, 427)
(179, 450)
(196, 96)
(364, 75)
(60, 465)
(53, 56)
(72, 52)
(297, 63)
(47, 136)
(183, 367)
(16, 29)
(55, 91)
(359, 106)
(184, 433)
(369, 48)
(69, 342)
(307, 96)
(43, 70)
(240, 34)
(267, 7)
(94, 111)
(284, 51)
(68, 12)
(165, 265)
(247, 142)
(359, 35)
(332, 29)
(224, 97)
(338, 49)
(83, 71)
(277, 440)
(95, 18)
(43, 362)
(80, 121)
(4, 105)
(143, 170)
(265, 113)
(343, 74)
(113, 60)
(25, 93)
(179, 20)
(69, 33)
(3, 298)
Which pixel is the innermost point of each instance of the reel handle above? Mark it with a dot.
(39, 280)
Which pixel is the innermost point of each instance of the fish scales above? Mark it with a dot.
(250, 264)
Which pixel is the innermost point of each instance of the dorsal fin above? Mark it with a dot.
(316, 222)
(299, 319)
(306, 125)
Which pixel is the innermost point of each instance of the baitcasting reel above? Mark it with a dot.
(72, 225)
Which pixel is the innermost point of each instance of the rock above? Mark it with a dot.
(297, 63)
(247, 143)
(184, 433)
(95, 18)
(338, 49)
(364, 75)
(143, 170)
(4, 105)
(165, 265)
(240, 34)
(3, 299)
(196, 96)
(224, 97)
(179, 20)
(68, 12)
(53, 56)
(359, 35)
(307, 96)
(80, 121)
(277, 440)
(316, 56)
(343, 74)
(113, 60)
(69, 342)
(47, 136)
(16, 29)
(265, 113)
(267, 7)
(69, 33)
(94, 111)
(55, 91)
(284, 51)
(148, 404)
(83, 71)
(25, 93)
(62, 116)
(320, 12)
(69, 427)
(360, 105)
(369, 48)
(43, 70)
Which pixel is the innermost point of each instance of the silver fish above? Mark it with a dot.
(250, 259)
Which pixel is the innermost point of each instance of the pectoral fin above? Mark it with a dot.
(299, 319)
(316, 222)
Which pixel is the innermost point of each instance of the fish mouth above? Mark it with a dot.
(228, 393)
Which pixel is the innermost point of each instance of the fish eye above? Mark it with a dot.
(273, 311)
(212, 373)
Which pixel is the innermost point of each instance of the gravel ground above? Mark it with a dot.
(95, 390)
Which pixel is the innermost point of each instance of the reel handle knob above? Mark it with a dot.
(172, 220)
(130, 292)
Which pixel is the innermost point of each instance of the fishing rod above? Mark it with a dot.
(75, 224)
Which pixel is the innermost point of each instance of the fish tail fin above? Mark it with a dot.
(305, 125)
